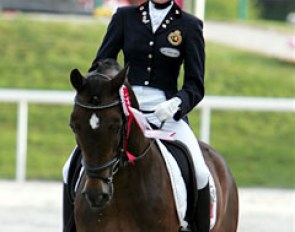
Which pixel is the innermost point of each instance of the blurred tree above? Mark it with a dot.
(276, 9)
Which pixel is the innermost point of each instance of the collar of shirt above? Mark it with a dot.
(157, 15)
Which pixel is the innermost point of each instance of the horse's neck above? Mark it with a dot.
(141, 186)
(139, 190)
(136, 141)
(138, 145)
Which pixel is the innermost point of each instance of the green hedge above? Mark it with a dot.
(229, 9)
(256, 9)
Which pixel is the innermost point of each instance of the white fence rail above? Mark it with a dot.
(24, 97)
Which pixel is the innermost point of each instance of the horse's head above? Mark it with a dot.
(98, 123)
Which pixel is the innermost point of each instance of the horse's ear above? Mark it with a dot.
(119, 79)
(77, 80)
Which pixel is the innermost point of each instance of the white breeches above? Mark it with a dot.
(148, 98)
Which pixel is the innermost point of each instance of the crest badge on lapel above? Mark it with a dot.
(175, 38)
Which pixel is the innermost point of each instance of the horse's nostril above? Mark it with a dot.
(102, 198)
(105, 197)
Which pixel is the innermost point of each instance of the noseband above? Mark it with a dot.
(94, 171)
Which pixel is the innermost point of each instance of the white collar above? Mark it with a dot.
(157, 15)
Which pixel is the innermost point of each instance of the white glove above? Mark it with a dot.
(167, 109)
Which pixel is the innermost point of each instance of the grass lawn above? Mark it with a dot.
(40, 55)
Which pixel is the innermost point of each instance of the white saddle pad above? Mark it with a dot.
(180, 191)
(178, 185)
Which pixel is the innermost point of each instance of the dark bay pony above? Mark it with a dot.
(113, 196)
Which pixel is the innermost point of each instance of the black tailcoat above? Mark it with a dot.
(155, 58)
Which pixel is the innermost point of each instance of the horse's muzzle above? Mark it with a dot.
(98, 198)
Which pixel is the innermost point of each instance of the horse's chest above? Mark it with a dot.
(125, 222)
(126, 226)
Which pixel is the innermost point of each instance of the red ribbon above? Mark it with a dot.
(126, 97)
(138, 117)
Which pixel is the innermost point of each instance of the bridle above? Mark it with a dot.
(94, 171)
(117, 161)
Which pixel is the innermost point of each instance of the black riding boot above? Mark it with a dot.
(68, 212)
(202, 213)
(69, 192)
